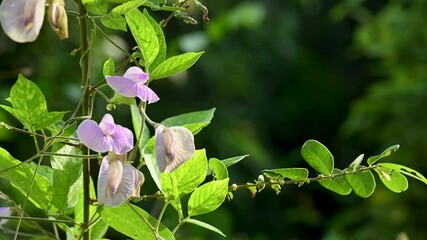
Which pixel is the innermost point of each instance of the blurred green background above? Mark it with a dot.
(351, 74)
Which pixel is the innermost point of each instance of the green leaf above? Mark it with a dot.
(48, 119)
(218, 168)
(109, 68)
(233, 160)
(27, 101)
(189, 175)
(171, 191)
(150, 161)
(161, 56)
(118, 99)
(207, 197)
(363, 183)
(20, 177)
(385, 153)
(194, 121)
(127, 6)
(137, 121)
(100, 227)
(392, 179)
(128, 221)
(144, 35)
(206, 226)
(67, 177)
(98, 7)
(404, 170)
(175, 64)
(318, 157)
(356, 163)
(296, 174)
(337, 184)
(114, 21)
(29, 105)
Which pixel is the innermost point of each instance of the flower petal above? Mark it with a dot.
(5, 212)
(173, 147)
(115, 173)
(129, 88)
(122, 140)
(124, 86)
(92, 136)
(140, 181)
(146, 94)
(182, 147)
(107, 124)
(159, 146)
(124, 190)
(136, 74)
(22, 19)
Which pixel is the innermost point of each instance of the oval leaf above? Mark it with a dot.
(318, 157)
(194, 121)
(144, 35)
(296, 174)
(363, 183)
(393, 180)
(218, 168)
(385, 153)
(119, 219)
(337, 184)
(208, 197)
(20, 177)
(175, 65)
(405, 170)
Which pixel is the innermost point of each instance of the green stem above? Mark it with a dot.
(235, 187)
(24, 204)
(159, 220)
(85, 103)
(178, 226)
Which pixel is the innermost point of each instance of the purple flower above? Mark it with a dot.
(107, 136)
(22, 19)
(173, 146)
(132, 85)
(117, 181)
(4, 212)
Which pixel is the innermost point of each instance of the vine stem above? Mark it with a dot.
(178, 226)
(85, 101)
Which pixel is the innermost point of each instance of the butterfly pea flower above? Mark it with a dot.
(132, 84)
(107, 136)
(22, 19)
(118, 181)
(4, 212)
(173, 146)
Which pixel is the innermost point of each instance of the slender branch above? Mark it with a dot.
(36, 219)
(86, 111)
(159, 219)
(140, 216)
(178, 226)
(24, 204)
(235, 187)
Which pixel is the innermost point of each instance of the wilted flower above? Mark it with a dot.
(22, 19)
(107, 136)
(132, 85)
(173, 146)
(58, 18)
(117, 180)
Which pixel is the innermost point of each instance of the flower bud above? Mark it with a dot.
(57, 17)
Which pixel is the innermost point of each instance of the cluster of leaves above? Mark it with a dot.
(355, 177)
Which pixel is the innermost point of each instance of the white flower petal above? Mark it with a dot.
(22, 19)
